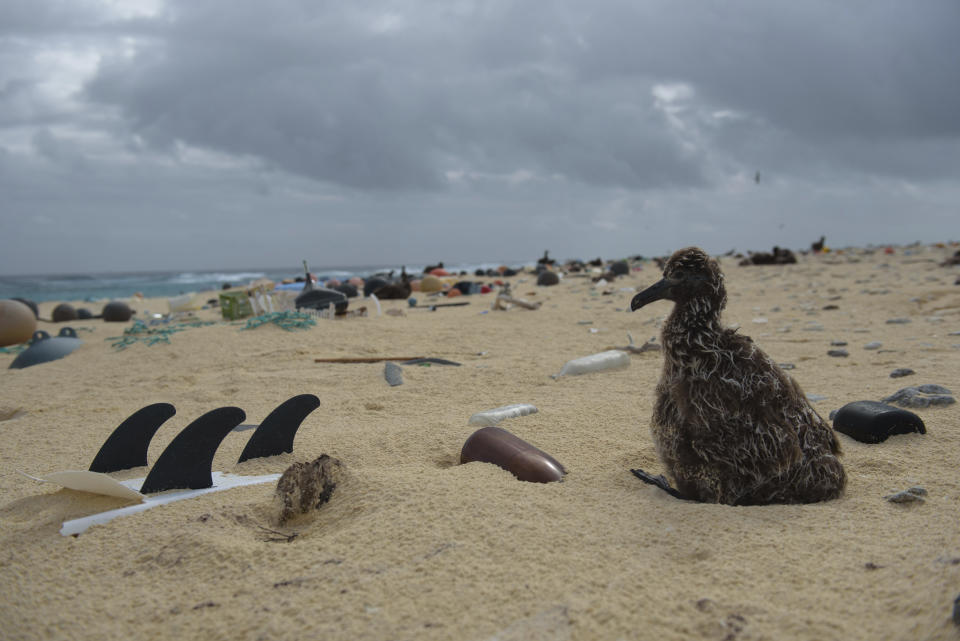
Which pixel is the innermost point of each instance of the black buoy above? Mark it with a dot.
(117, 312)
(64, 312)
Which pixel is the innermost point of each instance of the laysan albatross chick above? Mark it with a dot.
(730, 425)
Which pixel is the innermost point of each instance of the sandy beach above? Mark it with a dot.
(414, 545)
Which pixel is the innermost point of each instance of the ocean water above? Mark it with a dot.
(102, 287)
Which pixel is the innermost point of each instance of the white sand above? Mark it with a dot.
(415, 546)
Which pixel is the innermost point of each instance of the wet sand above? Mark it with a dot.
(413, 545)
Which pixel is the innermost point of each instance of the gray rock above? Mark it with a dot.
(816, 398)
(901, 372)
(839, 353)
(897, 321)
(930, 388)
(786, 366)
(914, 397)
(838, 343)
(873, 345)
(914, 494)
(393, 373)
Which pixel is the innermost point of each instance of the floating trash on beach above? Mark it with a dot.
(610, 359)
(492, 417)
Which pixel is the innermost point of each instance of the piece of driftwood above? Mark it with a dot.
(365, 359)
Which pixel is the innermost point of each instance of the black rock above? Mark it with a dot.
(901, 372)
(84, 314)
(840, 353)
(509, 271)
(547, 278)
(873, 422)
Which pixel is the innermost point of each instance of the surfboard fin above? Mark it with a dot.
(127, 446)
(275, 434)
(187, 463)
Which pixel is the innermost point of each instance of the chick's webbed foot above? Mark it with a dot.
(660, 481)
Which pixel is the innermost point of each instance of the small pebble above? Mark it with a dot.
(839, 353)
(816, 398)
(838, 343)
(787, 366)
(956, 602)
(830, 307)
(873, 345)
(898, 321)
(901, 372)
(912, 495)
(393, 373)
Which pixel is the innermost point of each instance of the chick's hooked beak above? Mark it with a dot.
(664, 289)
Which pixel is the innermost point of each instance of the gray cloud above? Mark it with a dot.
(612, 126)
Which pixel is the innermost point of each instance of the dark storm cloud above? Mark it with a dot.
(587, 125)
(396, 95)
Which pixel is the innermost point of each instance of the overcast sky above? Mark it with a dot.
(196, 134)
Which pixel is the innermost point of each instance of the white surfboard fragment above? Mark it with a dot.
(610, 359)
(490, 418)
(86, 481)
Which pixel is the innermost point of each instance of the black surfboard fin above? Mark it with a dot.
(275, 435)
(127, 446)
(187, 463)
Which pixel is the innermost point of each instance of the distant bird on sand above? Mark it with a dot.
(729, 425)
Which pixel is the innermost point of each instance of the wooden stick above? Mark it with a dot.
(365, 359)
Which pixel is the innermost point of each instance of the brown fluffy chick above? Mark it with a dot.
(730, 425)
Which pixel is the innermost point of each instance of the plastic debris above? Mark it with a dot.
(610, 359)
(493, 417)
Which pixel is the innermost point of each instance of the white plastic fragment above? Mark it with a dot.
(221, 481)
(610, 359)
(87, 481)
(490, 418)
